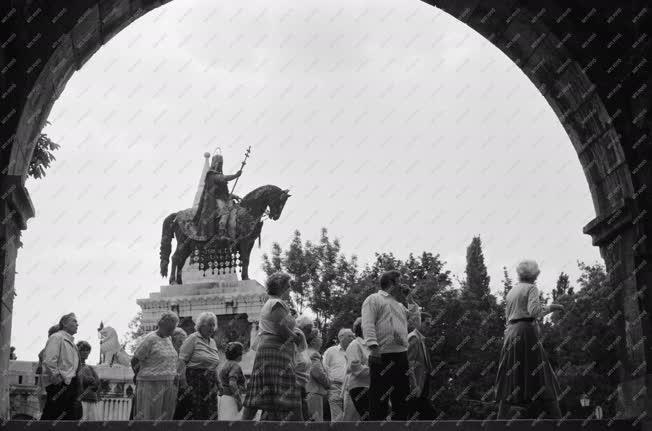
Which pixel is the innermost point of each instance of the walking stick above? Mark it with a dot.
(244, 162)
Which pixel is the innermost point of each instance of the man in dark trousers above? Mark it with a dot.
(61, 364)
(385, 328)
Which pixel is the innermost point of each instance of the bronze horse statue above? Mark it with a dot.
(267, 199)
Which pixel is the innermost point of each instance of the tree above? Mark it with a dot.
(320, 272)
(476, 285)
(583, 341)
(42, 156)
(563, 287)
(507, 283)
(134, 332)
(274, 263)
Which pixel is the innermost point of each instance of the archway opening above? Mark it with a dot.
(600, 201)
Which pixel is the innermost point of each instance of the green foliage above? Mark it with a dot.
(321, 273)
(42, 157)
(465, 333)
(134, 332)
(476, 286)
(563, 287)
(507, 283)
(584, 340)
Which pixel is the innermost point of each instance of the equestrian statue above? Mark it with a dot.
(223, 228)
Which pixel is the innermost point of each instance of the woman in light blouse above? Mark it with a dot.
(525, 378)
(155, 362)
(199, 352)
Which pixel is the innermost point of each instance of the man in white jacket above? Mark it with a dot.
(60, 367)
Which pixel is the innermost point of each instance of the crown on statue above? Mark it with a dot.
(217, 157)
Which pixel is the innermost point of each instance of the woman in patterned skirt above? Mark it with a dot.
(273, 386)
(525, 378)
(199, 352)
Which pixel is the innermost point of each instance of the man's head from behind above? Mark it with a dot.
(390, 282)
(345, 336)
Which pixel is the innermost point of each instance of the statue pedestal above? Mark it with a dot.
(236, 303)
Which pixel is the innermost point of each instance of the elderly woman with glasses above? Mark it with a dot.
(199, 352)
(525, 378)
(156, 363)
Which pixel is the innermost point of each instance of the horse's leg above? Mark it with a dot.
(184, 252)
(245, 246)
(177, 261)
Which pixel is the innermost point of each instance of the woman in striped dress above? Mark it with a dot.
(273, 386)
(525, 378)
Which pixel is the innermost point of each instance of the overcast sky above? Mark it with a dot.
(395, 126)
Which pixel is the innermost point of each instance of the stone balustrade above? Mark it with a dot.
(115, 409)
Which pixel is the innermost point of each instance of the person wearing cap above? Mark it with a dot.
(61, 364)
(420, 367)
(384, 324)
(215, 214)
(525, 377)
(335, 366)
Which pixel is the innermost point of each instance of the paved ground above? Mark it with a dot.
(517, 425)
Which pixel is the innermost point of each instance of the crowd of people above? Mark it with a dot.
(379, 369)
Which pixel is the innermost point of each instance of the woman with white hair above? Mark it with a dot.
(199, 352)
(525, 378)
(156, 362)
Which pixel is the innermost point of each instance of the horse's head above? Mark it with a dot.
(276, 205)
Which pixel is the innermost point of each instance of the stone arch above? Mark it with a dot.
(602, 103)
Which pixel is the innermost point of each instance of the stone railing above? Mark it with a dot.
(115, 409)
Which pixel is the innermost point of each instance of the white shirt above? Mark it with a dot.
(335, 363)
(522, 301)
(385, 322)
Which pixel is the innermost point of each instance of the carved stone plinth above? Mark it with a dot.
(236, 303)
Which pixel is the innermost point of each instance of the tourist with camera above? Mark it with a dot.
(385, 328)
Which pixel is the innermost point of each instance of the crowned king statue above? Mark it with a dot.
(220, 232)
(216, 215)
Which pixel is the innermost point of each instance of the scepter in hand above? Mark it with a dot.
(244, 162)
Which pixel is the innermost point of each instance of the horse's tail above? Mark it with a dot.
(166, 243)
